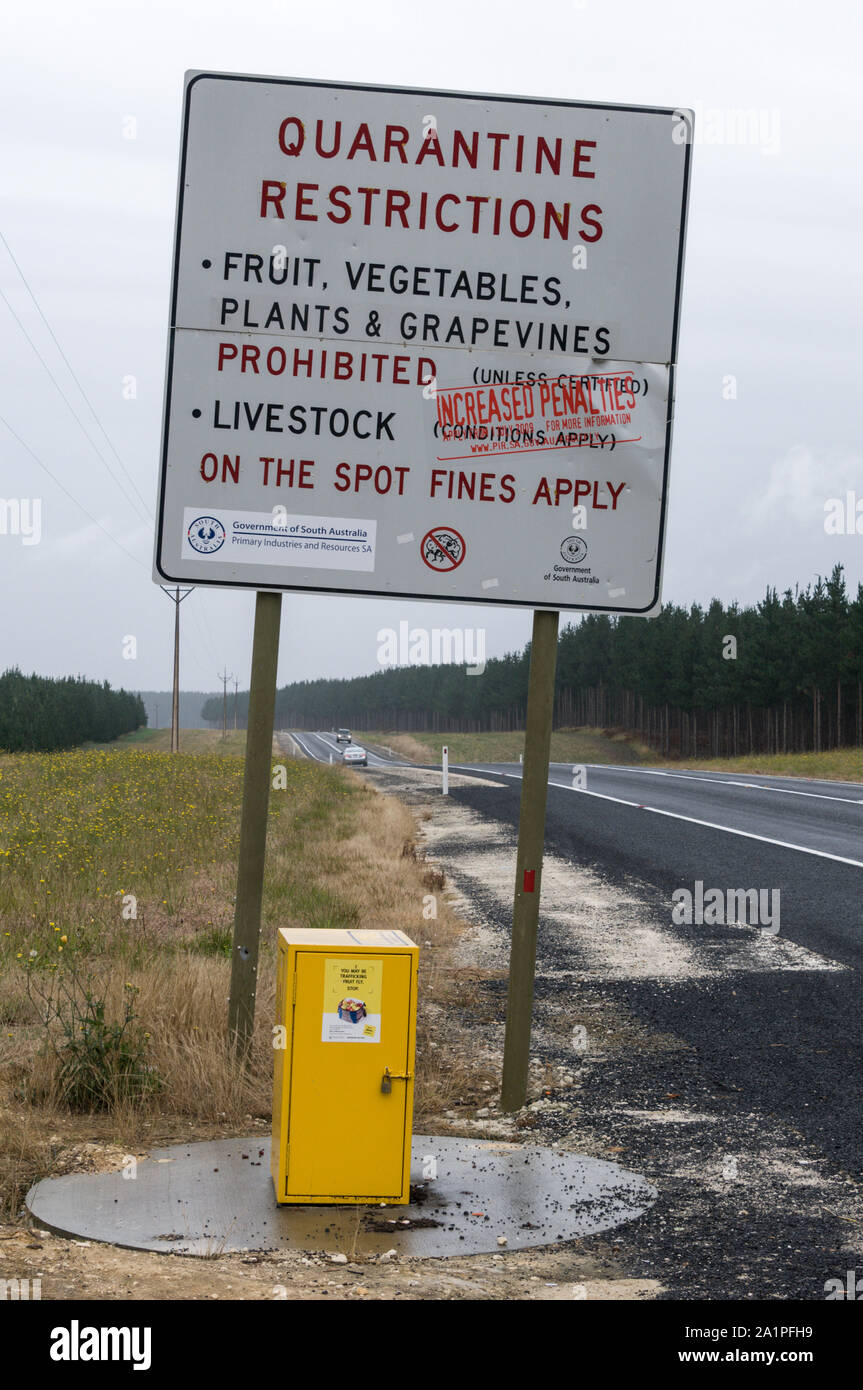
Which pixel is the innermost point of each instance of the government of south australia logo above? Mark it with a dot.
(573, 549)
(206, 535)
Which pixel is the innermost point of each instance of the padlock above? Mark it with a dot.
(386, 1083)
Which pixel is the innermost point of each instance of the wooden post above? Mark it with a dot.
(253, 826)
(528, 865)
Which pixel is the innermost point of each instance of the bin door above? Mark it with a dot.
(347, 1137)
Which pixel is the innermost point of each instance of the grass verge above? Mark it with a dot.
(837, 765)
(117, 874)
(614, 747)
(191, 741)
(567, 746)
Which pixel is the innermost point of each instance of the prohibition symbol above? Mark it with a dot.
(442, 548)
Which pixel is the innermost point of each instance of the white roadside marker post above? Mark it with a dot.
(445, 773)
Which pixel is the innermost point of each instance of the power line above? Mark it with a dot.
(74, 377)
(144, 516)
(71, 497)
(206, 633)
(202, 659)
(203, 631)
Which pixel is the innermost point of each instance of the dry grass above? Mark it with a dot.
(191, 741)
(81, 829)
(614, 747)
(420, 748)
(837, 765)
(567, 746)
(449, 1074)
(26, 1155)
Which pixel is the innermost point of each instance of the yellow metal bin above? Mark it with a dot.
(344, 1057)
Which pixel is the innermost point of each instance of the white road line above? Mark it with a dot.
(720, 781)
(333, 748)
(307, 751)
(378, 760)
(676, 815)
(318, 757)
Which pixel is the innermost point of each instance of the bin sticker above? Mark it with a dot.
(352, 1000)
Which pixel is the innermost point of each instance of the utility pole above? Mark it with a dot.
(224, 678)
(176, 596)
(528, 864)
(236, 686)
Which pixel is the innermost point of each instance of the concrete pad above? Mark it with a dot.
(212, 1198)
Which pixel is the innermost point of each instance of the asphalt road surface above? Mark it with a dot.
(323, 747)
(767, 1051)
(824, 819)
(790, 1040)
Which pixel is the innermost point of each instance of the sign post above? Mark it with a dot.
(528, 864)
(253, 825)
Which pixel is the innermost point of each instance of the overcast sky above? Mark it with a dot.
(767, 420)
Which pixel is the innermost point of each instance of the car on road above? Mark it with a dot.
(356, 756)
(343, 736)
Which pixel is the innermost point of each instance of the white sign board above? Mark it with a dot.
(422, 344)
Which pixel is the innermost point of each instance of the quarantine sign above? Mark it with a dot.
(422, 344)
(352, 1000)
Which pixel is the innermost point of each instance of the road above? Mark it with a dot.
(820, 818)
(790, 1040)
(324, 748)
(824, 819)
(766, 1081)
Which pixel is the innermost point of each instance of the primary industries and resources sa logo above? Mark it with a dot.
(206, 535)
